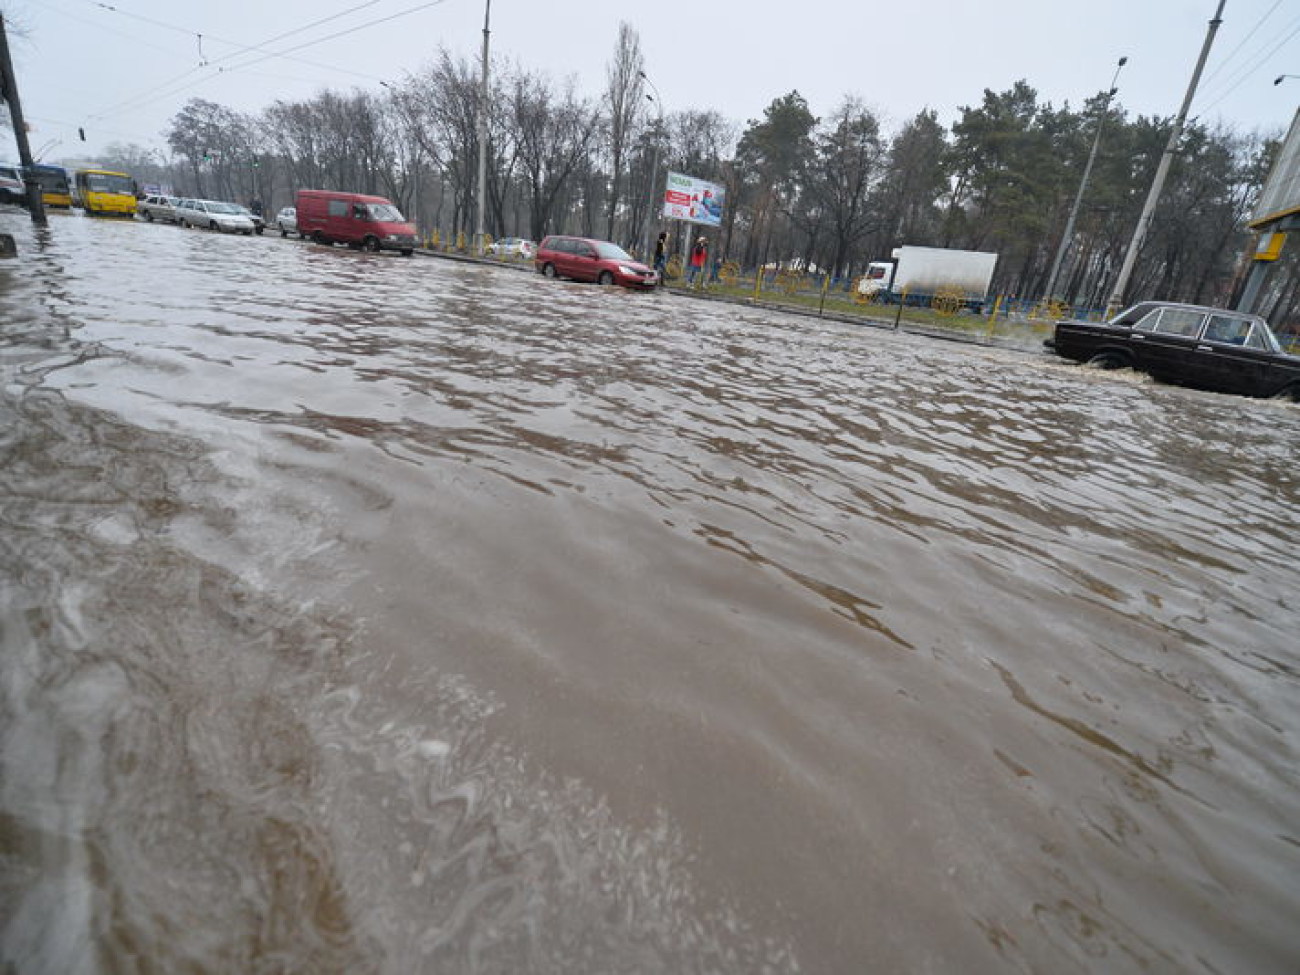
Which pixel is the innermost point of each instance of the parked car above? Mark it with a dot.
(586, 259)
(258, 223)
(12, 187)
(1190, 345)
(287, 221)
(513, 247)
(213, 215)
(157, 207)
(369, 222)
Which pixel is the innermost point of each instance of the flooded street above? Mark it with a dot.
(370, 614)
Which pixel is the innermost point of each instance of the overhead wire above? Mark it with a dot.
(1243, 42)
(140, 103)
(169, 87)
(53, 8)
(1244, 74)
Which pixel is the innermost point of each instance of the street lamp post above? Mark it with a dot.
(1068, 236)
(657, 100)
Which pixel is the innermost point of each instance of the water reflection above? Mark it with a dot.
(391, 615)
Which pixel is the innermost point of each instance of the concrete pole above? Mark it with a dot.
(1162, 171)
(656, 198)
(481, 242)
(1068, 236)
(9, 88)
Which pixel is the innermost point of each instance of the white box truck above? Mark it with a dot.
(921, 273)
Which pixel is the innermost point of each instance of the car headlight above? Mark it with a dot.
(631, 272)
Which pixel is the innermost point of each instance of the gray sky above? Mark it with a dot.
(122, 68)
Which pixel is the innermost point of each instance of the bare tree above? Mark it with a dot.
(555, 131)
(625, 95)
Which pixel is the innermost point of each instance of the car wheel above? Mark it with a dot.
(1109, 360)
(371, 244)
(258, 230)
(318, 238)
(549, 270)
(1288, 394)
(148, 216)
(605, 278)
(407, 251)
(283, 232)
(212, 225)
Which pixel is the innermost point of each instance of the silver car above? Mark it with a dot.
(12, 187)
(287, 221)
(157, 207)
(513, 247)
(213, 215)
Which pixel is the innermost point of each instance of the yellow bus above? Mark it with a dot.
(55, 191)
(102, 193)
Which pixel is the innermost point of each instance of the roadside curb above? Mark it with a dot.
(884, 325)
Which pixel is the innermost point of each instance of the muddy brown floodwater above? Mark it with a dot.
(368, 614)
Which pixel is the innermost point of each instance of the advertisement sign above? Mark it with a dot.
(694, 200)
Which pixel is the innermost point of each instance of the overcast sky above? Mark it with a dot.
(121, 69)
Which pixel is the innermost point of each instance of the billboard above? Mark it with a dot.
(1281, 194)
(693, 200)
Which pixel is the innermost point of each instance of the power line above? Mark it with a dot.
(100, 27)
(1242, 43)
(147, 97)
(1250, 70)
(137, 103)
(342, 33)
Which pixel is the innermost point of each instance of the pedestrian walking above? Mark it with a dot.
(661, 255)
(699, 258)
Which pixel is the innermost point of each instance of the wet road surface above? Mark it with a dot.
(369, 614)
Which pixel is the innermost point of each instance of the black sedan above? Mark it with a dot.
(1190, 345)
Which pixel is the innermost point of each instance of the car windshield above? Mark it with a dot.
(385, 213)
(110, 183)
(611, 252)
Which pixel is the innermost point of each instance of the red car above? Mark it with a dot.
(584, 259)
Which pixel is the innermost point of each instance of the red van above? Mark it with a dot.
(369, 222)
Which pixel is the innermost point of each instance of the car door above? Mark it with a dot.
(585, 261)
(1164, 341)
(566, 258)
(1231, 356)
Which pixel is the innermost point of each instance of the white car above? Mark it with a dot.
(513, 247)
(12, 187)
(287, 221)
(213, 215)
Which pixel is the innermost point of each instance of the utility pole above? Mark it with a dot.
(1153, 197)
(1068, 237)
(9, 90)
(656, 195)
(481, 243)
